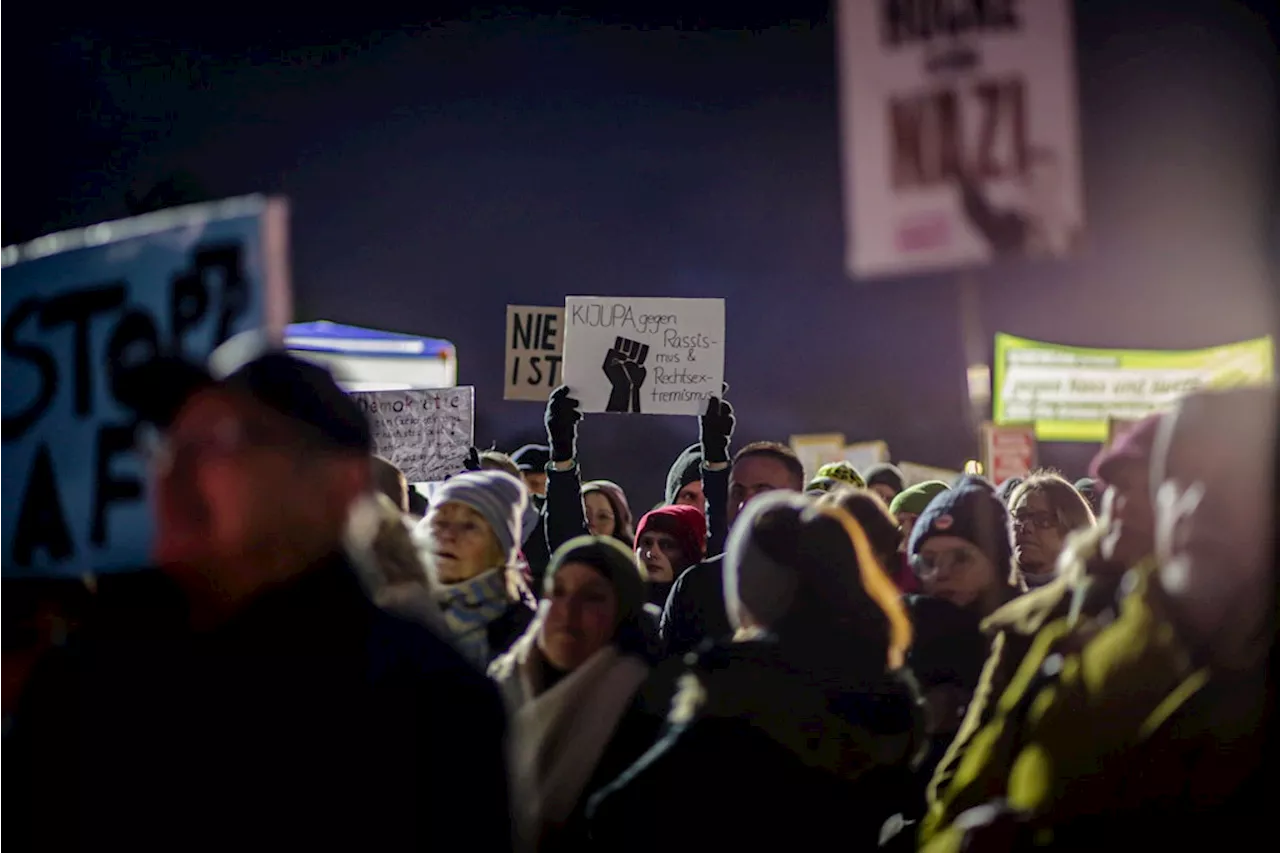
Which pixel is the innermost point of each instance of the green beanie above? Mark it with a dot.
(842, 471)
(615, 564)
(917, 497)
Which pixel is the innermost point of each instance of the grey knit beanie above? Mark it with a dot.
(497, 496)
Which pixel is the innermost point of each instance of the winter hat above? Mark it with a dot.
(615, 564)
(532, 458)
(1005, 489)
(685, 470)
(842, 471)
(1133, 446)
(915, 498)
(804, 570)
(621, 509)
(496, 495)
(884, 474)
(822, 485)
(686, 523)
(971, 511)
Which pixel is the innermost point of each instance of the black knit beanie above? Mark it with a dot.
(686, 469)
(970, 510)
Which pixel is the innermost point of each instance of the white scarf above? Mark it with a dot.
(558, 735)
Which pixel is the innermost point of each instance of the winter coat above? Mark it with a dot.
(758, 754)
(569, 738)
(1112, 735)
(1085, 589)
(312, 720)
(695, 609)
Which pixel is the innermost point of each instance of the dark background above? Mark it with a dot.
(442, 166)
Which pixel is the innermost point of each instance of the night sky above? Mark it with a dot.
(440, 170)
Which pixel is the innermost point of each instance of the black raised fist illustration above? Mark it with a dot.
(624, 365)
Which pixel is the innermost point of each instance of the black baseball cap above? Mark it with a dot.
(157, 390)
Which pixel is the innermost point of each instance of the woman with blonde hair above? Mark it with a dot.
(470, 541)
(805, 706)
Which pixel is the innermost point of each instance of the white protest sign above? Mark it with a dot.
(643, 355)
(535, 349)
(960, 132)
(426, 434)
(817, 449)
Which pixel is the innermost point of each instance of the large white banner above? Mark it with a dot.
(960, 133)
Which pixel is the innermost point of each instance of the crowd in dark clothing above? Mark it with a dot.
(763, 660)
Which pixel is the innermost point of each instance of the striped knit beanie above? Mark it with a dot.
(496, 495)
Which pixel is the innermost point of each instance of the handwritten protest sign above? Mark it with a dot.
(78, 306)
(426, 434)
(644, 356)
(535, 349)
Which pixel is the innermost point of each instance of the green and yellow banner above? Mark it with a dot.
(1070, 393)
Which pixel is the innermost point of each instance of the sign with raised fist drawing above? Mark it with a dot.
(643, 355)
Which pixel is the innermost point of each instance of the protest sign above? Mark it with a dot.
(864, 454)
(535, 349)
(1070, 392)
(80, 305)
(960, 133)
(1008, 451)
(643, 355)
(426, 433)
(817, 449)
(917, 473)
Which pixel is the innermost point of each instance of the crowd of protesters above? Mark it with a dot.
(763, 661)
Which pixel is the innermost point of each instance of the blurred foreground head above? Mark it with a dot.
(253, 474)
(807, 574)
(1212, 482)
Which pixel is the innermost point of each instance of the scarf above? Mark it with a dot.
(469, 607)
(558, 735)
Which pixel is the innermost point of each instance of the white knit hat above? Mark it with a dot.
(496, 495)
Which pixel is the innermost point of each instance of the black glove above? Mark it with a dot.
(562, 425)
(472, 462)
(715, 429)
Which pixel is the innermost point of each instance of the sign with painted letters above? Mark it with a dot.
(79, 305)
(960, 132)
(427, 434)
(643, 355)
(535, 349)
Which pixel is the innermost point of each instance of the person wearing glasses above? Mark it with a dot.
(1045, 508)
(961, 548)
(1076, 567)
(255, 700)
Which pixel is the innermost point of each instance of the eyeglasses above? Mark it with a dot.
(223, 438)
(926, 565)
(1036, 519)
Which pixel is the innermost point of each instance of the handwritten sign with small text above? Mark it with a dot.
(644, 355)
(426, 434)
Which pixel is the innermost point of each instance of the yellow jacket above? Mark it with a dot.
(1084, 728)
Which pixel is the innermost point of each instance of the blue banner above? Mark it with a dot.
(75, 305)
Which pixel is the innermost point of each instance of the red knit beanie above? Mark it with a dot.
(686, 523)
